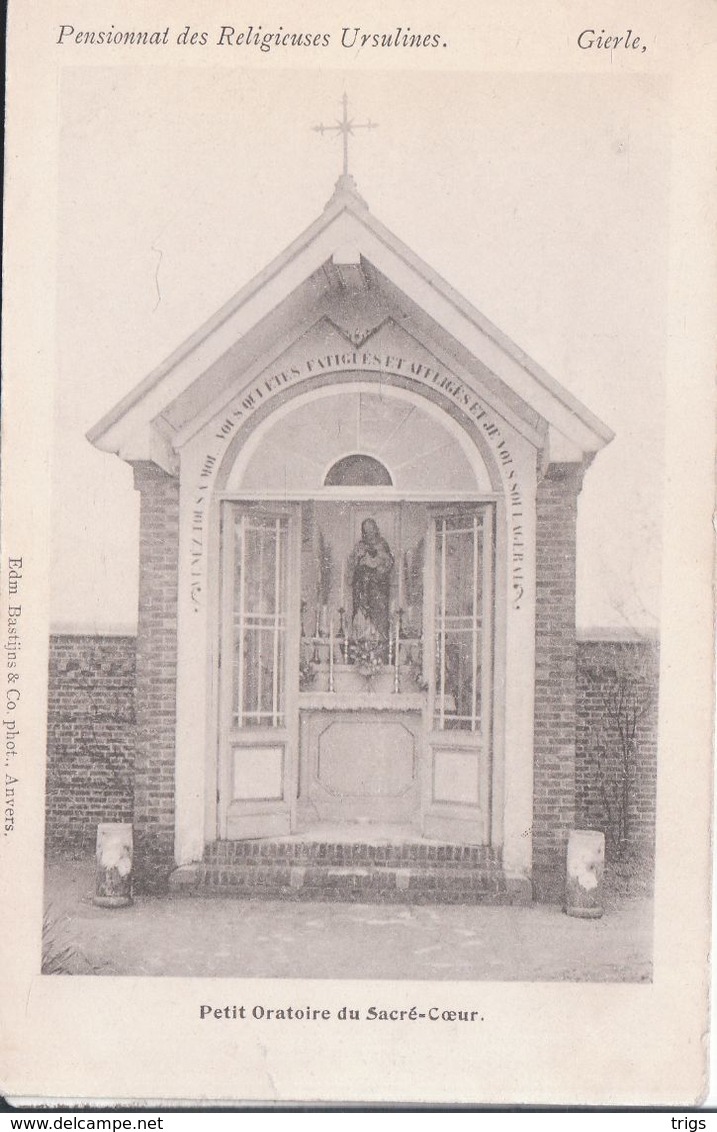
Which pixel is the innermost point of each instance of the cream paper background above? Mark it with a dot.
(558, 1043)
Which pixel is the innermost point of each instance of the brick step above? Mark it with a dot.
(368, 883)
(404, 855)
(411, 872)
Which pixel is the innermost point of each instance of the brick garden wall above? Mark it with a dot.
(617, 685)
(90, 739)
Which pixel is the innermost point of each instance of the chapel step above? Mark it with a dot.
(412, 873)
(373, 884)
(303, 852)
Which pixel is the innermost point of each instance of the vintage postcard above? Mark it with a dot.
(358, 438)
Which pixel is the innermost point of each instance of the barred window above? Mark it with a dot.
(260, 620)
(460, 645)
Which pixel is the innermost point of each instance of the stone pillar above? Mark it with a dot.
(156, 675)
(555, 677)
(584, 873)
(113, 868)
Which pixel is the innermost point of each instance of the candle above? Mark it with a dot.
(331, 655)
(342, 604)
(400, 581)
(396, 679)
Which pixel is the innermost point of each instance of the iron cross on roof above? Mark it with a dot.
(345, 127)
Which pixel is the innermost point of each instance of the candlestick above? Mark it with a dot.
(331, 656)
(341, 586)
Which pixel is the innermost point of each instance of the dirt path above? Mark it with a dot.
(274, 939)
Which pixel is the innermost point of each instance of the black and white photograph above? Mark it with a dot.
(359, 497)
(392, 639)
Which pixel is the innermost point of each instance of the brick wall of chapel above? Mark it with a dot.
(555, 676)
(156, 674)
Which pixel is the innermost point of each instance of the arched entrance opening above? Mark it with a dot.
(357, 621)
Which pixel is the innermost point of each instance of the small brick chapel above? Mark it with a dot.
(356, 650)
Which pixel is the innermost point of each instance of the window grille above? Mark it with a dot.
(260, 620)
(460, 554)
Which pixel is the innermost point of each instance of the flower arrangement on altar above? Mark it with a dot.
(411, 591)
(415, 672)
(307, 674)
(368, 655)
(325, 573)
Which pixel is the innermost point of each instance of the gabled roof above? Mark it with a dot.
(346, 237)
